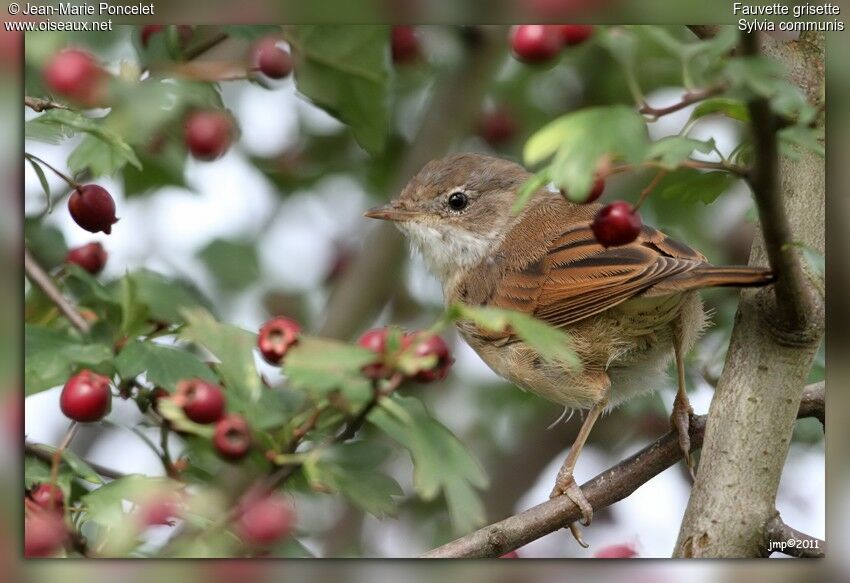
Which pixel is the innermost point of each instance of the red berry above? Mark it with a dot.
(208, 134)
(270, 59)
(266, 520)
(75, 74)
(510, 555)
(48, 497)
(202, 402)
(596, 190)
(535, 43)
(574, 34)
(404, 44)
(160, 510)
(376, 341)
(86, 397)
(92, 208)
(44, 534)
(623, 551)
(425, 344)
(497, 126)
(184, 33)
(232, 437)
(616, 224)
(276, 337)
(91, 257)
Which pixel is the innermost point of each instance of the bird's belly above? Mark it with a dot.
(631, 343)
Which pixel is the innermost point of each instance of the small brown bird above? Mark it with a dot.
(628, 310)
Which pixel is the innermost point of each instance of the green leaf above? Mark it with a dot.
(732, 108)
(320, 365)
(54, 126)
(345, 71)
(165, 366)
(580, 140)
(234, 348)
(253, 31)
(100, 157)
(553, 344)
(233, 264)
(134, 314)
(527, 190)
(165, 169)
(672, 151)
(691, 185)
(176, 417)
(441, 462)
(45, 186)
(165, 298)
(38, 471)
(45, 242)
(51, 356)
(349, 469)
(75, 463)
(807, 139)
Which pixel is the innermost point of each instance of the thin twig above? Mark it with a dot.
(654, 113)
(39, 104)
(36, 451)
(604, 490)
(56, 459)
(33, 158)
(779, 537)
(36, 274)
(795, 301)
(650, 187)
(205, 46)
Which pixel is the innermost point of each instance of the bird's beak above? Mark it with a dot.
(388, 212)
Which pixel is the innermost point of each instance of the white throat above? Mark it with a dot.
(448, 250)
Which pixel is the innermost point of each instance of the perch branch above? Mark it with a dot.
(36, 274)
(803, 547)
(604, 490)
(687, 99)
(39, 104)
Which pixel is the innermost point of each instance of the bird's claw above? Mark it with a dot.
(566, 485)
(680, 419)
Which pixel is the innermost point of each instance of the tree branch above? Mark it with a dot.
(38, 104)
(687, 99)
(36, 274)
(609, 487)
(779, 537)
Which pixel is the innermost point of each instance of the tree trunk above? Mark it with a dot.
(752, 415)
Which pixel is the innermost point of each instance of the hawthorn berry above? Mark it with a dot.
(404, 45)
(272, 61)
(86, 397)
(92, 208)
(595, 191)
(203, 402)
(535, 43)
(91, 257)
(425, 344)
(76, 75)
(44, 534)
(232, 437)
(497, 126)
(265, 520)
(621, 551)
(184, 34)
(160, 510)
(48, 497)
(376, 341)
(616, 224)
(208, 134)
(574, 34)
(276, 337)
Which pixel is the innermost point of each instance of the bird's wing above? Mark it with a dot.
(578, 278)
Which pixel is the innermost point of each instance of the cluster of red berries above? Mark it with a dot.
(204, 402)
(423, 344)
(539, 43)
(45, 531)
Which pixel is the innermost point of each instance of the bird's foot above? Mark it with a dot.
(566, 485)
(680, 419)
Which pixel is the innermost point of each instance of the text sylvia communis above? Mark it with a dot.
(629, 310)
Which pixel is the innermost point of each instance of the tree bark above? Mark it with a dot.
(752, 414)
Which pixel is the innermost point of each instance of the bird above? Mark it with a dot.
(628, 310)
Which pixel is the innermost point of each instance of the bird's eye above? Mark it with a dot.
(458, 201)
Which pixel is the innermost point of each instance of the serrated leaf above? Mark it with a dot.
(441, 462)
(164, 297)
(52, 356)
(672, 151)
(100, 157)
(165, 366)
(691, 185)
(322, 365)
(234, 348)
(54, 126)
(580, 140)
(345, 71)
(350, 469)
(732, 108)
(553, 344)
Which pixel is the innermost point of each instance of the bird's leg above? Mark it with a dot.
(565, 482)
(680, 418)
